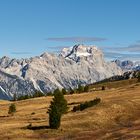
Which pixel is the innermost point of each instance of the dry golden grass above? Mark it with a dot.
(114, 84)
(116, 117)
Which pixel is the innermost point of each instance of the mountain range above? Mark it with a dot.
(78, 64)
(127, 65)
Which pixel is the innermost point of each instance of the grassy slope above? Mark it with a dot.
(113, 84)
(116, 117)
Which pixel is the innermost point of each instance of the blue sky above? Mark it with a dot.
(31, 27)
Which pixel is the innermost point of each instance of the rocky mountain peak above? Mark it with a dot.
(4, 61)
(78, 51)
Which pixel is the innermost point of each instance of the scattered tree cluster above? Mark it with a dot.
(86, 104)
(27, 96)
(80, 89)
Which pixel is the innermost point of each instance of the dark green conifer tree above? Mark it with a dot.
(57, 108)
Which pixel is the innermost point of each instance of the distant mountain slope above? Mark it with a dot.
(128, 65)
(12, 84)
(75, 65)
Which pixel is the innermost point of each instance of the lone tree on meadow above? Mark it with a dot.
(12, 109)
(138, 77)
(57, 108)
(80, 88)
(86, 88)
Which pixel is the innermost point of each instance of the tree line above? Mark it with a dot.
(79, 89)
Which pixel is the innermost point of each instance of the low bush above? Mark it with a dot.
(86, 104)
(33, 113)
(103, 87)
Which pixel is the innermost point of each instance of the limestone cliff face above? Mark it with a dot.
(75, 65)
